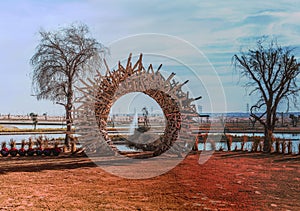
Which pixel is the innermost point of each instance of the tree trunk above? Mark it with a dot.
(268, 140)
(69, 124)
(69, 118)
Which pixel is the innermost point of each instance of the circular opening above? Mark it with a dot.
(135, 119)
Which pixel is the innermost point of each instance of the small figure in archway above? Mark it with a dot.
(145, 115)
(146, 123)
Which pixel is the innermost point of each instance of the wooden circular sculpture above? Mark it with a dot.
(175, 103)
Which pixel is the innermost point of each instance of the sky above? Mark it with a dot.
(215, 29)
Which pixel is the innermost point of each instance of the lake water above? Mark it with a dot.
(37, 126)
(295, 138)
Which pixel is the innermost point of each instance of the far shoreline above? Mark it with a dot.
(33, 133)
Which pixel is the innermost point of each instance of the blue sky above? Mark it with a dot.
(218, 29)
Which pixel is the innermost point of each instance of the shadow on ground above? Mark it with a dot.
(62, 162)
(276, 157)
(36, 164)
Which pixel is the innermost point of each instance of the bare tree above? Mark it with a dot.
(61, 58)
(272, 72)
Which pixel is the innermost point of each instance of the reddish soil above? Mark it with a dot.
(227, 181)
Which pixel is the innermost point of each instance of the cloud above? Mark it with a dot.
(261, 19)
(217, 29)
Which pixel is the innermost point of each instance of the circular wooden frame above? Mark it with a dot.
(135, 78)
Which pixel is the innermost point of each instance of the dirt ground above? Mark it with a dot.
(227, 181)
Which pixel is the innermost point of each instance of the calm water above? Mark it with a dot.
(37, 126)
(295, 138)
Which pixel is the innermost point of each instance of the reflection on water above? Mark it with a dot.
(295, 138)
(122, 147)
(19, 126)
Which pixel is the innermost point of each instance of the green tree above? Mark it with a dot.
(272, 73)
(61, 58)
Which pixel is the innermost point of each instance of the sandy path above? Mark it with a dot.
(227, 181)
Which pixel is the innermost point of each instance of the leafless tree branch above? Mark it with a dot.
(61, 58)
(272, 72)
